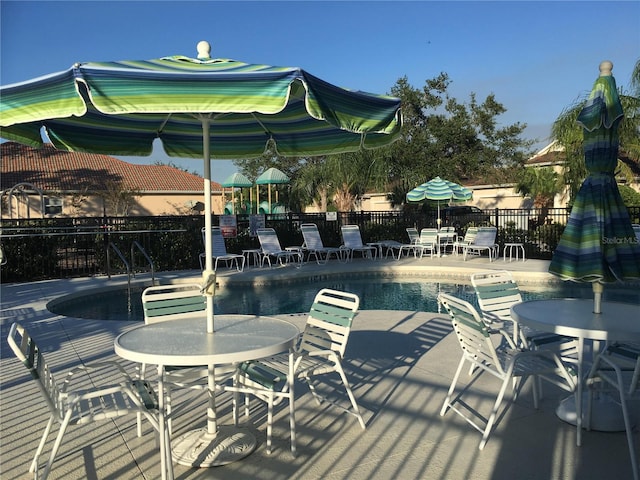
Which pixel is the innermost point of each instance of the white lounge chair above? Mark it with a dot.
(219, 251)
(83, 406)
(407, 248)
(428, 241)
(506, 362)
(469, 237)
(485, 241)
(319, 352)
(270, 248)
(313, 244)
(352, 242)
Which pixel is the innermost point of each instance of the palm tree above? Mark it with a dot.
(542, 185)
(568, 133)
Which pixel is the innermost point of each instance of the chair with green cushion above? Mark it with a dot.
(81, 406)
(505, 361)
(319, 352)
(175, 302)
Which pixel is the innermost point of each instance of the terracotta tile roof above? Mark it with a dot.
(51, 169)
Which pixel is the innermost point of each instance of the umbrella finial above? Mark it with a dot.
(204, 50)
(605, 68)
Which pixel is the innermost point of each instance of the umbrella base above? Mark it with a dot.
(606, 414)
(199, 448)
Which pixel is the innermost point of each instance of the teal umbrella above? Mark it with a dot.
(236, 180)
(441, 191)
(271, 176)
(199, 108)
(598, 244)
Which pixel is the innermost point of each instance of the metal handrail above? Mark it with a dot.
(137, 245)
(122, 257)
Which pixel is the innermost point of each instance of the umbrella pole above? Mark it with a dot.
(597, 288)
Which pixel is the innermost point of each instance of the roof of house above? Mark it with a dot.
(50, 169)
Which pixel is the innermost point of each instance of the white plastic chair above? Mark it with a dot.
(80, 407)
(497, 292)
(484, 241)
(412, 246)
(352, 242)
(313, 244)
(618, 365)
(270, 248)
(175, 302)
(506, 362)
(428, 241)
(219, 252)
(319, 352)
(469, 237)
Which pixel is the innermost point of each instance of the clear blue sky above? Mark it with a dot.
(536, 57)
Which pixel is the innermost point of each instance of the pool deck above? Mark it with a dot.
(400, 364)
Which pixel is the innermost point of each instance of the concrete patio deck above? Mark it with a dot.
(400, 364)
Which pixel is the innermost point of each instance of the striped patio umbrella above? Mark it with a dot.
(199, 108)
(236, 180)
(598, 244)
(441, 191)
(271, 176)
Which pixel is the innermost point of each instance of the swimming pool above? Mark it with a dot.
(375, 294)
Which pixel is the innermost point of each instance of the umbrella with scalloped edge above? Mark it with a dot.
(439, 190)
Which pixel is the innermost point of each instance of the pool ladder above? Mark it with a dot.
(129, 266)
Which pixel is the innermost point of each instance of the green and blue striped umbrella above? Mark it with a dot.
(199, 108)
(598, 244)
(440, 190)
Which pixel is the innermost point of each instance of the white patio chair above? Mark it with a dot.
(319, 352)
(352, 242)
(497, 292)
(469, 237)
(506, 362)
(407, 248)
(447, 237)
(219, 251)
(83, 406)
(485, 241)
(313, 244)
(270, 248)
(618, 366)
(428, 241)
(175, 302)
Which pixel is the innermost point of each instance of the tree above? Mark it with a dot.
(568, 133)
(542, 185)
(160, 163)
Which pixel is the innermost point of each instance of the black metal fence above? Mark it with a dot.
(36, 249)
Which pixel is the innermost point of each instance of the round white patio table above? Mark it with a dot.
(185, 342)
(575, 318)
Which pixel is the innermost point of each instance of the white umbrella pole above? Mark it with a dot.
(597, 296)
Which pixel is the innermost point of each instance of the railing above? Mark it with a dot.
(135, 245)
(37, 249)
(114, 247)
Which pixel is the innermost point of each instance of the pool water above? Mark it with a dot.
(376, 294)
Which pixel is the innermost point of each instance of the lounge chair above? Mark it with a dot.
(83, 406)
(469, 237)
(352, 242)
(178, 302)
(485, 241)
(220, 251)
(319, 352)
(428, 241)
(506, 362)
(271, 249)
(407, 248)
(313, 244)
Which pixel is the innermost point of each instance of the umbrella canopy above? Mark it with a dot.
(271, 176)
(440, 190)
(233, 181)
(598, 244)
(199, 108)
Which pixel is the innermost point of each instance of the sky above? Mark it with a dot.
(536, 57)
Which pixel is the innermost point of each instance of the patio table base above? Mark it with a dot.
(606, 414)
(199, 448)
